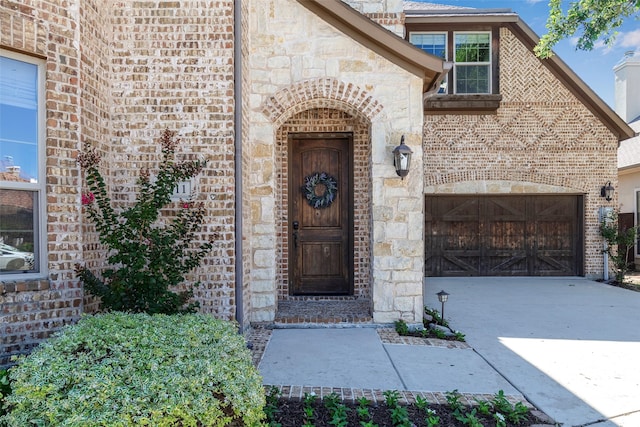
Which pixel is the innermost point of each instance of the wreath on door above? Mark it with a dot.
(320, 190)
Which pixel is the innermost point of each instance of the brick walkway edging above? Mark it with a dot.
(296, 392)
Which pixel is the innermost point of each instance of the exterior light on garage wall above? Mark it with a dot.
(402, 158)
(442, 297)
(607, 191)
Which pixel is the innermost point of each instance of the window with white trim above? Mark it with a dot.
(435, 44)
(21, 163)
(470, 52)
(472, 62)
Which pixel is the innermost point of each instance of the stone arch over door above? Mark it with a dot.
(324, 93)
(326, 106)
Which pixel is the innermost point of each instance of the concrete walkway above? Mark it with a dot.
(356, 358)
(569, 345)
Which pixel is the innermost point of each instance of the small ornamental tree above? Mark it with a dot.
(147, 256)
(619, 243)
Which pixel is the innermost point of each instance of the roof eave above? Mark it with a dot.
(459, 18)
(373, 36)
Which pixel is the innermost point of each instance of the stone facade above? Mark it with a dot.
(294, 75)
(120, 72)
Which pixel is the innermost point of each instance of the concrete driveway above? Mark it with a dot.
(571, 346)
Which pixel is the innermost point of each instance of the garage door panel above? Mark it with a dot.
(554, 235)
(504, 208)
(463, 209)
(460, 264)
(507, 265)
(506, 235)
(503, 235)
(552, 263)
(461, 235)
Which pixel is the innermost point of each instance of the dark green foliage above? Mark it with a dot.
(436, 317)
(148, 253)
(5, 389)
(590, 20)
(337, 410)
(309, 413)
(619, 244)
(401, 327)
(453, 400)
(271, 406)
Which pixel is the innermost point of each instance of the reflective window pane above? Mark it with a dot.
(473, 63)
(18, 231)
(472, 79)
(18, 120)
(435, 44)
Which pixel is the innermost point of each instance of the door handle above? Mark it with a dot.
(296, 225)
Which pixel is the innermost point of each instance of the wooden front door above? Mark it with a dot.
(503, 235)
(320, 214)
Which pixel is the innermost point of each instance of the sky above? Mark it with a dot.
(594, 67)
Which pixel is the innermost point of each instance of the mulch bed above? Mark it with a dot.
(290, 414)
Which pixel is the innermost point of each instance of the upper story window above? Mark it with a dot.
(21, 163)
(473, 59)
(435, 44)
(473, 84)
(472, 64)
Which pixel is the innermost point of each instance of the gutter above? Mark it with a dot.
(237, 129)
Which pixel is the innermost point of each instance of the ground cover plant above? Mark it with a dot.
(429, 329)
(330, 411)
(122, 369)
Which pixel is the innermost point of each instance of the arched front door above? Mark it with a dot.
(321, 214)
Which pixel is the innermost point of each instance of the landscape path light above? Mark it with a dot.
(442, 297)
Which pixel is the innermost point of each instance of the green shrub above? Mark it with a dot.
(620, 242)
(123, 369)
(149, 254)
(5, 389)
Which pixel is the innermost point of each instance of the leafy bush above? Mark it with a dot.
(5, 389)
(147, 255)
(620, 242)
(122, 369)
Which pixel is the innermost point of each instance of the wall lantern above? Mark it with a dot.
(607, 191)
(402, 158)
(442, 297)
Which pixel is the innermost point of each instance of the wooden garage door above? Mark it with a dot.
(503, 235)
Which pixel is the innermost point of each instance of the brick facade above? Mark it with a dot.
(541, 140)
(32, 309)
(119, 72)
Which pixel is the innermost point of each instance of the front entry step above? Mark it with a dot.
(323, 313)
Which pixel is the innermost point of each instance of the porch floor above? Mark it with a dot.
(323, 311)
